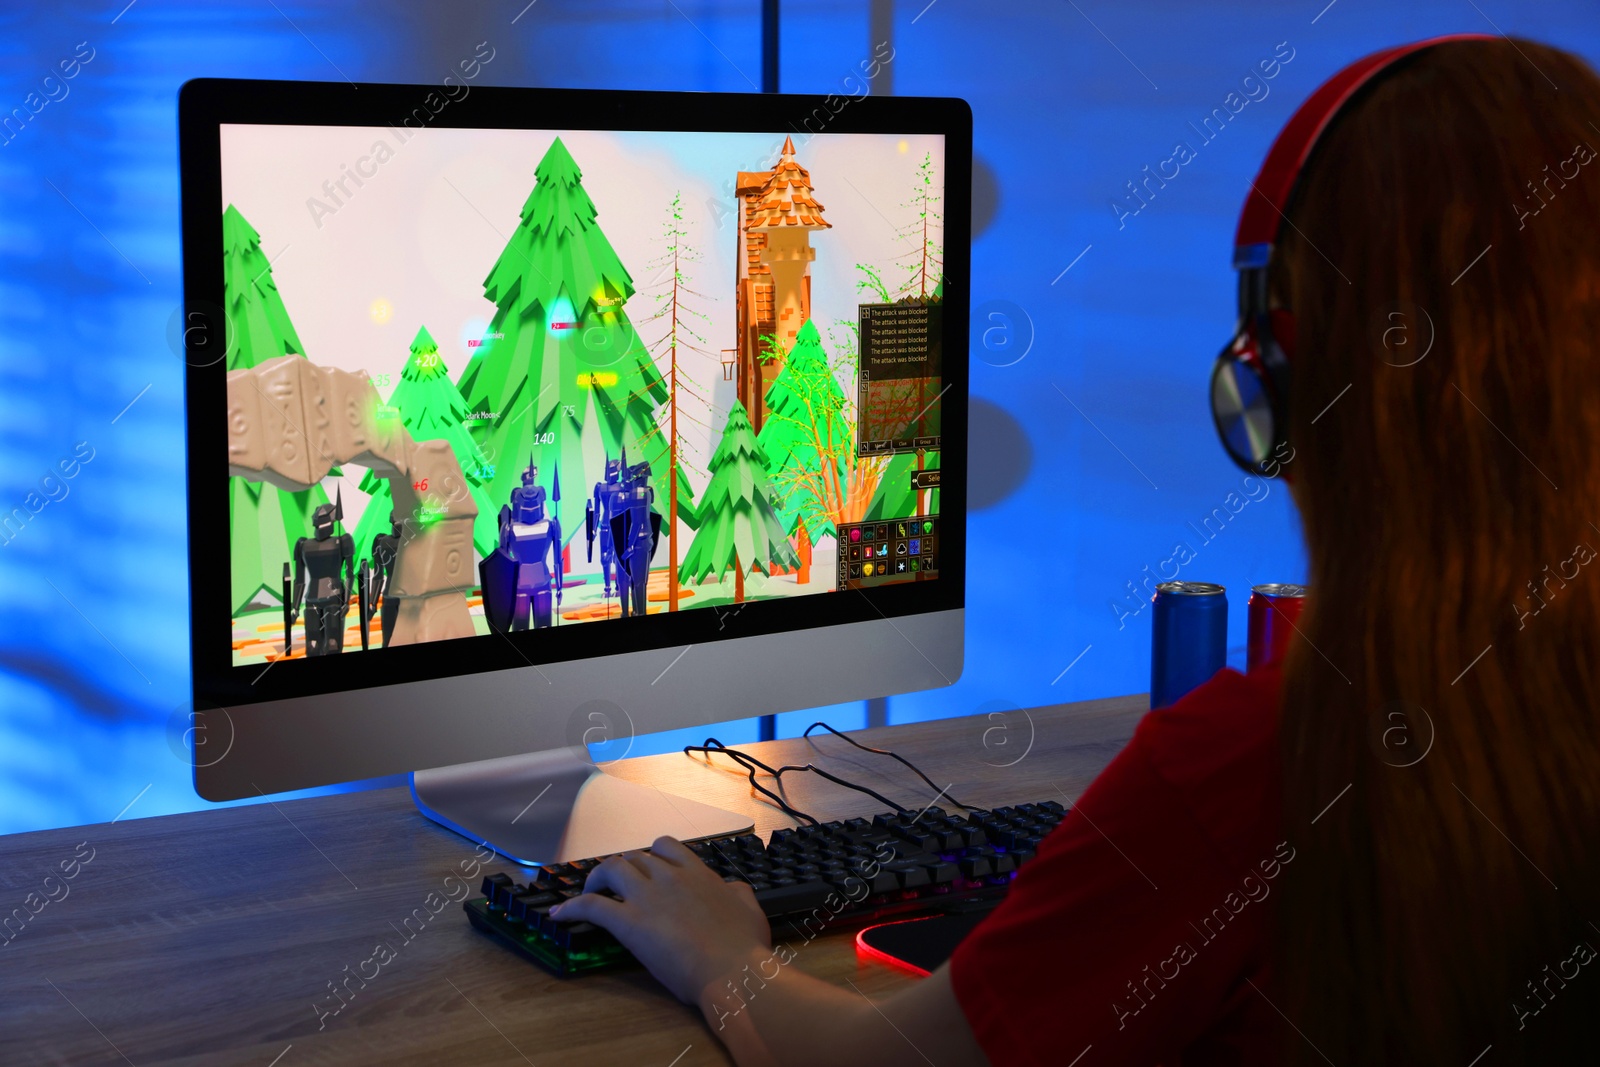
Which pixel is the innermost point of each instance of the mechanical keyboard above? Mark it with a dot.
(845, 872)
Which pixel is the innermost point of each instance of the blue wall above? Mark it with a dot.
(1093, 451)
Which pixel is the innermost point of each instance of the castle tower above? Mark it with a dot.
(777, 215)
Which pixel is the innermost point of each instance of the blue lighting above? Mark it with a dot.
(1122, 321)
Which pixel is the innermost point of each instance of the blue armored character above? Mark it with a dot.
(635, 531)
(601, 508)
(523, 571)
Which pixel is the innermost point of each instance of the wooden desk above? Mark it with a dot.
(206, 938)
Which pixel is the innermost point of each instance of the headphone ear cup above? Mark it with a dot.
(1242, 405)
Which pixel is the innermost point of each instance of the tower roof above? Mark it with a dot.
(784, 199)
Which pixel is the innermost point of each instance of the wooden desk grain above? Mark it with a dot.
(207, 938)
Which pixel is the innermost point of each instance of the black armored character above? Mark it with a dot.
(331, 561)
(385, 550)
(635, 532)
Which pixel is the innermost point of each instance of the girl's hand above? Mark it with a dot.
(678, 917)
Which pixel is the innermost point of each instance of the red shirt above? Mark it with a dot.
(1137, 930)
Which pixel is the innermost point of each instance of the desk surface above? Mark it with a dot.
(207, 938)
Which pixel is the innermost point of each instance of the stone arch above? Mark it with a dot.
(291, 421)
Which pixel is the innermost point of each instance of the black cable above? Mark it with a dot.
(835, 779)
(937, 792)
(745, 761)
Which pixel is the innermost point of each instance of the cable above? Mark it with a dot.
(885, 752)
(745, 761)
(779, 772)
(750, 764)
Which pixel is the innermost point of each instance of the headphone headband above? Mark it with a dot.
(1250, 379)
(1262, 217)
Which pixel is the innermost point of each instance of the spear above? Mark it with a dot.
(288, 612)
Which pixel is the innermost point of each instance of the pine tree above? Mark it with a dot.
(431, 408)
(739, 527)
(809, 443)
(681, 321)
(561, 350)
(924, 266)
(264, 522)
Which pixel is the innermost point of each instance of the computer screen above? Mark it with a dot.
(653, 371)
(523, 416)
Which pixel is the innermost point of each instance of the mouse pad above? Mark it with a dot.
(919, 945)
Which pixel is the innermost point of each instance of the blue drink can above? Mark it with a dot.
(1190, 642)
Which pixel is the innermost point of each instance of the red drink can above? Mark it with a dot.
(1274, 613)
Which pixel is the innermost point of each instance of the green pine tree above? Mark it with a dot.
(807, 439)
(264, 522)
(924, 265)
(739, 526)
(431, 408)
(562, 352)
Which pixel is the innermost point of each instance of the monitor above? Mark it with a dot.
(524, 419)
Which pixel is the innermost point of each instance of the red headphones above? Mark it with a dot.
(1250, 381)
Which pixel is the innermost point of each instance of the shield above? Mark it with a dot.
(498, 574)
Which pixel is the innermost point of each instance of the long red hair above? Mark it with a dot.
(1441, 724)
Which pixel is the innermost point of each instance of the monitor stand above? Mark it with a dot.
(558, 806)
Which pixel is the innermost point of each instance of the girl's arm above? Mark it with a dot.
(707, 941)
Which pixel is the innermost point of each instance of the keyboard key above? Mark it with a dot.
(796, 896)
(916, 836)
(579, 937)
(910, 877)
(494, 885)
(523, 903)
(975, 867)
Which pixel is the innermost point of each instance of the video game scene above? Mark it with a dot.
(498, 380)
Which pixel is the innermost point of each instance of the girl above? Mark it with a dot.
(1244, 885)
